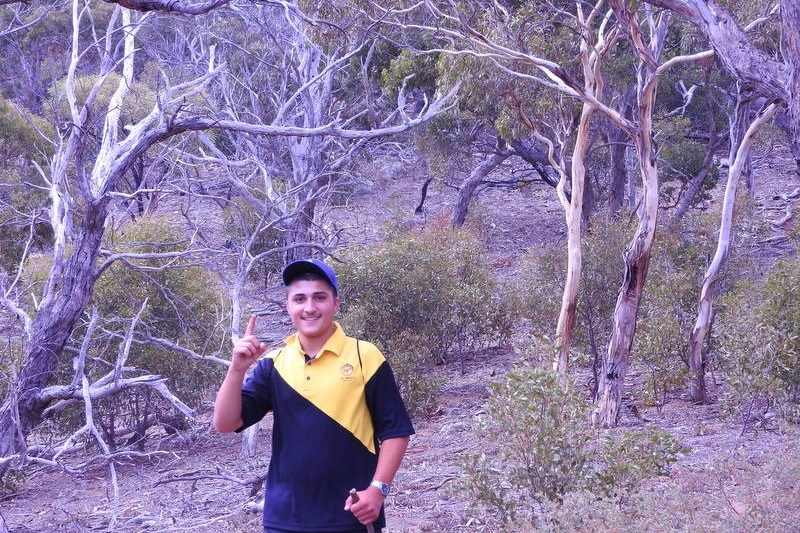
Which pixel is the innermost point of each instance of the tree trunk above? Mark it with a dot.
(745, 61)
(740, 122)
(637, 255)
(758, 71)
(697, 359)
(637, 262)
(574, 217)
(475, 178)
(50, 330)
(783, 121)
(790, 48)
(618, 148)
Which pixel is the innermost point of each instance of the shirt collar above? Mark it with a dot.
(334, 345)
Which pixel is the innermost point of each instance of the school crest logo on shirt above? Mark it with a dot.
(347, 371)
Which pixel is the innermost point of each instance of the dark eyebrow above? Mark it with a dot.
(317, 293)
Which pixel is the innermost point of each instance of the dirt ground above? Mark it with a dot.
(202, 481)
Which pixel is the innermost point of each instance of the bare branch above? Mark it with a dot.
(170, 6)
(67, 395)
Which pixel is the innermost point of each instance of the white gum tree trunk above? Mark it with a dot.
(591, 56)
(702, 324)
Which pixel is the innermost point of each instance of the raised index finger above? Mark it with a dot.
(251, 326)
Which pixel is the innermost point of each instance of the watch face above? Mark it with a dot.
(383, 487)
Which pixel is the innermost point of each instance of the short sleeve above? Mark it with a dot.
(390, 418)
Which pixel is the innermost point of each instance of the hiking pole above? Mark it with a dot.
(354, 497)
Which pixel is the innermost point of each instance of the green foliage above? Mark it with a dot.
(668, 311)
(21, 206)
(417, 71)
(546, 449)
(433, 282)
(411, 358)
(540, 278)
(760, 348)
(422, 296)
(240, 221)
(184, 306)
(630, 457)
(137, 103)
(21, 199)
(19, 139)
(542, 432)
(681, 160)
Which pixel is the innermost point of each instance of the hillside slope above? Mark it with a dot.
(201, 481)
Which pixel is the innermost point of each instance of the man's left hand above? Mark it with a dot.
(366, 506)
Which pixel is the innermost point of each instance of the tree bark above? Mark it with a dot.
(618, 148)
(574, 218)
(475, 178)
(697, 359)
(50, 330)
(637, 263)
(757, 70)
(637, 256)
(783, 121)
(790, 48)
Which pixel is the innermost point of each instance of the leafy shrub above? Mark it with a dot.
(433, 282)
(541, 433)
(183, 307)
(630, 457)
(540, 278)
(18, 136)
(667, 312)
(411, 359)
(760, 348)
(422, 297)
(20, 203)
(539, 447)
(137, 104)
(682, 159)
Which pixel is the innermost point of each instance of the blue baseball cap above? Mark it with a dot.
(315, 266)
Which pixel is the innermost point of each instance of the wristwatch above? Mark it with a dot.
(381, 486)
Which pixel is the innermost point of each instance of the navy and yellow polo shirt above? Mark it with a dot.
(330, 414)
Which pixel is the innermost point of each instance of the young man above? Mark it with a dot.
(338, 419)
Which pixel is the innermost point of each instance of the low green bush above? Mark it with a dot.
(184, 307)
(411, 359)
(538, 447)
(667, 313)
(760, 349)
(433, 282)
(540, 277)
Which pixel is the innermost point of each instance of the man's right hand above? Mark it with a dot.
(247, 349)
(228, 405)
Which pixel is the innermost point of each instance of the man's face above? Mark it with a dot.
(312, 306)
